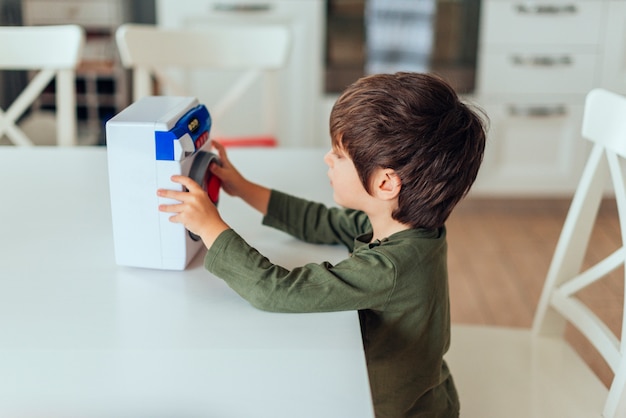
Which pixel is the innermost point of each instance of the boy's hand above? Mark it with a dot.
(235, 184)
(232, 181)
(195, 210)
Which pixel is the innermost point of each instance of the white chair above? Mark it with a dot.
(52, 52)
(535, 373)
(256, 51)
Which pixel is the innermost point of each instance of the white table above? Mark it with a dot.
(80, 336)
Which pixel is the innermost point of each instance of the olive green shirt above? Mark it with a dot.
(398, 285)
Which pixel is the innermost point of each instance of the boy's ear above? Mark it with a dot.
(387, 185)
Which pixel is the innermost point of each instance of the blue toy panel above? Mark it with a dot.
(196, 122)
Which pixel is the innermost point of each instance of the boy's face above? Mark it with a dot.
(344, 179)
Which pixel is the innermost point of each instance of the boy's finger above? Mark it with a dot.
(215, 168)
(175, 208)
(218, 146)
(188, 182)
(171, 194)
(221, 151)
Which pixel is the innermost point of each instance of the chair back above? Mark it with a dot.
(255, 51)
(604, 124)
(604, 121)
(50, 53)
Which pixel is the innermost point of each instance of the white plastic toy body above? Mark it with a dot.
(148, 142)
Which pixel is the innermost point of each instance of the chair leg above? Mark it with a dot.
(613, 407)
(142, 83)
(21, 104)
(15, 134)
(66, 108)
(572, 244)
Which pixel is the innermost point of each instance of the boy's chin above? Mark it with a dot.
(344, 206)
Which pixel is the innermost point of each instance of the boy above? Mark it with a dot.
(404, 151)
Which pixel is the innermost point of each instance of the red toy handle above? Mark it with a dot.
(213, 185)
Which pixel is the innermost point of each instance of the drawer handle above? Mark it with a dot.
(242, 7)
(542, 61)
(546, 9)
(537, 111)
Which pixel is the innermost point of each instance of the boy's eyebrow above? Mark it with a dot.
(337, 145)
(336, 140)
(337, 149)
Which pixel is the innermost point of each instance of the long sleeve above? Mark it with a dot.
(364, 280)
(313, 222)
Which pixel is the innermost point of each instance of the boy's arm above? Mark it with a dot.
(255, 195)
(305, 220)
(314, 222)
(359, 282)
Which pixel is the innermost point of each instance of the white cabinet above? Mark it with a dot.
(534, 148)
(101, 14)
(299, 83)
(537, 60)
(614, 65)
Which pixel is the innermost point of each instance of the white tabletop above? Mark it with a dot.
(81, 336)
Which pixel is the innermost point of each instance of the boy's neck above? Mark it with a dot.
(384, 226)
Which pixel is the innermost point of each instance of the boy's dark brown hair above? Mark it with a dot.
(415, 124)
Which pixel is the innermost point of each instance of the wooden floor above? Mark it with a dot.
(499, 254)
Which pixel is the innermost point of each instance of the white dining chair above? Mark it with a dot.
(256, 52)
(506, 372)
(47, 53)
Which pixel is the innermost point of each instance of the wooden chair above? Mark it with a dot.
(52, 53)
(257, 52)
(535, 373)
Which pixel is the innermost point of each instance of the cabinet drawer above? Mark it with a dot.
(534, 148)
(542, 73)
(85, 13)
(237, 11)
(544, 22)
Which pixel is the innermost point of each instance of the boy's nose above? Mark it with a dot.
(327, 158)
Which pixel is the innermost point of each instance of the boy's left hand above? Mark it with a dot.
(195, 210)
